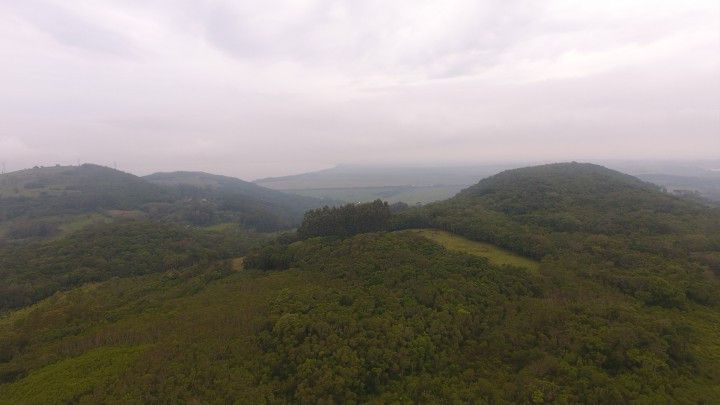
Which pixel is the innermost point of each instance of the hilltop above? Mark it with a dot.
(532, 209)
(114, 187)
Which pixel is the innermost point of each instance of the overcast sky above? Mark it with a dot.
(261, 88)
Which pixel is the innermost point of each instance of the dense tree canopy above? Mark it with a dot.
(346, 220)
(29, 273)
(384, 316)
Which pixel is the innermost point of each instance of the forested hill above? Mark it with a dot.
(650, 244)
(86, 185)
(538, 209)
(42, 201)
(572, 187)
(213, 183)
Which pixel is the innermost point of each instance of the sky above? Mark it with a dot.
(267, 88)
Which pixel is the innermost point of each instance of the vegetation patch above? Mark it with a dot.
(496, 255)
(68, 379)
(238, 263)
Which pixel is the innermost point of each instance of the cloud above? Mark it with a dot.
(71, 29)
(13, 147)
(266, 88)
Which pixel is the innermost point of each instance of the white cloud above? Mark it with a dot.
(264, 88)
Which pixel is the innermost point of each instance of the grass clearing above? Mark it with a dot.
(494, 254)
(76, 223)
(238, 263)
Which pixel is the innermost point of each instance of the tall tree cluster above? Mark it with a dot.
(347, 220)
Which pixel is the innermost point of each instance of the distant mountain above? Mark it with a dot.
(705, 186)
(86, 179)
(235, 199)
(355, 176)
(44, 200)
(230, 185)
(59, 190)
(353, 183)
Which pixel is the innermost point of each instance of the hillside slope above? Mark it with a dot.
(611, 226)
(531, 209)
(125, 248)
(212, 183)
(72, 189)
(388, 317)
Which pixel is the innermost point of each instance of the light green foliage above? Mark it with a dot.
(70, 379)
(494, 254)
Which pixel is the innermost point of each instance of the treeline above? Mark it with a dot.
(346, 220)
(343, 221)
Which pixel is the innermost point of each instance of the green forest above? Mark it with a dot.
(555, 284)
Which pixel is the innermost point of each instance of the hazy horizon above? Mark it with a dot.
(630, 166)
(259, 90)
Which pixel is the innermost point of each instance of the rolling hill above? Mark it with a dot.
(213, 184)
(73, 189)
(533, 209)
(589, 286)
(47, 201)
(426, 184)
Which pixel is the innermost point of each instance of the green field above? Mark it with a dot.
(493, 253)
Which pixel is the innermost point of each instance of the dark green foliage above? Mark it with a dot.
(29, 273)
(347, 220)
(612, 226)
(198, 199)
(376, 317)
(80, 189)
(269, 257)
(32, 229)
